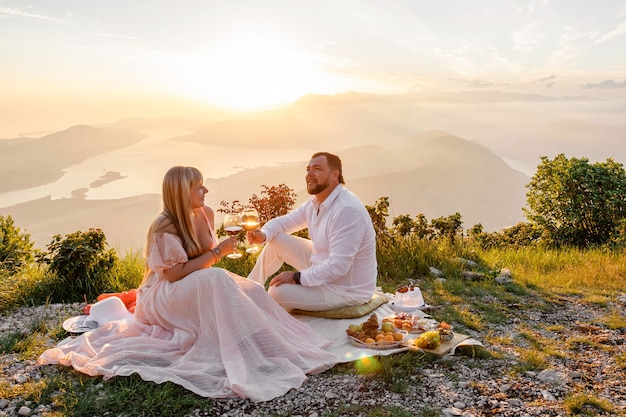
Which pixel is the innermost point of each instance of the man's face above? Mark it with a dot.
(318, 175)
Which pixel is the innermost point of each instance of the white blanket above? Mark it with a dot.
(335, 331)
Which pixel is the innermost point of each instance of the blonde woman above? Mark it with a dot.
(204, 328)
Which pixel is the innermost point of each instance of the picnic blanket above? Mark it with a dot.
(335, 331)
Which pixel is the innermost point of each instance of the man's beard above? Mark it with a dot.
(317, 188)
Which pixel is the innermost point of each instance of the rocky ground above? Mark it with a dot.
(587, 360)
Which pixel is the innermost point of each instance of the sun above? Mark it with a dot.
(250, 73)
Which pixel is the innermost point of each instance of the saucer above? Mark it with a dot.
(408, 309)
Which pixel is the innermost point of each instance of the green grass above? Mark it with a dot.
(542, 279)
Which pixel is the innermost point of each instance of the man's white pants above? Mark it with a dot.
(296, 252)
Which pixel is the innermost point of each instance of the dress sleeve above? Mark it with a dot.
(166, 251)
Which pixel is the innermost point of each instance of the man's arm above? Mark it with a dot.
(345, 234)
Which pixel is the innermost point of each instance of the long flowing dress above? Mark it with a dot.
(213, 332)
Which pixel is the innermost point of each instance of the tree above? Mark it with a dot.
(273, 202)
(575, 202)
(379, 213)
(421, 227)
(403, 225)
(16, 248)
(448, 227)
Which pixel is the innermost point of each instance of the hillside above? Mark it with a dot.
(435, 173)
(26, 163)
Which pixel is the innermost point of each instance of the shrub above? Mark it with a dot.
(16, 248)
(575, 202)
(82, 262)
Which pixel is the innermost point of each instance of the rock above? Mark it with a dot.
(20, 378)
(435, 272)
(505, 273)
(24, 411)
(552, 377)
(547, 395)
(466, 262)
(503, 280)
(472, 276)
(622, 298)
(331, 395)
(452, 411)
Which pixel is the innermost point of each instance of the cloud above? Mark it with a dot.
(615, 33)
(606, 84)
(7, 11)
(544, 79)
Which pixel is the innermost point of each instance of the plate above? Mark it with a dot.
(380, 345)
(402, 320)
(79, 324)
(408, 309)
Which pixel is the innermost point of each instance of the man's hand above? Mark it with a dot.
(285, 277)
(255, 237)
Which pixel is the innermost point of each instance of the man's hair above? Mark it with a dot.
(333, 162)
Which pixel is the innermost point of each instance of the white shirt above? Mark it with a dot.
(344, 243)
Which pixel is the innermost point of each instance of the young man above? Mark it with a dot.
(337, 266)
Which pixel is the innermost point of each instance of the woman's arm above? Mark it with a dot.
(207, 259)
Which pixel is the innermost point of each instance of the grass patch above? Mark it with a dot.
(380, 411)
(614, 320)
(544, 280)
(531, 360)
(77, 395)
(586, 405)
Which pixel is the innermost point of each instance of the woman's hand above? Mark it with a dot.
(228, 245)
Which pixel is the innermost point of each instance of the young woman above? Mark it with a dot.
(204, 328)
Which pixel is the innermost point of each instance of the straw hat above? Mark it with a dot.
(106, 310)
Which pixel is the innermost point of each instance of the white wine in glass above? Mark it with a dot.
(232, 227)
(250, 222)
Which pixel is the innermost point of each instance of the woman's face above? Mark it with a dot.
(197, 195)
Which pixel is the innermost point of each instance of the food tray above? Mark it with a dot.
(418, 324)
(380, 345)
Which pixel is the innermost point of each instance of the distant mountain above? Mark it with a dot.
(435, 173)
(31, 162)
(435, 153)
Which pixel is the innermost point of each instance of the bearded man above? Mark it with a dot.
(337, 266)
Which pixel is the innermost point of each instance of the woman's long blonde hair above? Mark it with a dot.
(178, 184)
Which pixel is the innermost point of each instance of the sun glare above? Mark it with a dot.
(249, 74)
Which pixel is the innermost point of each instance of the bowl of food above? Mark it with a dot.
(446, 332)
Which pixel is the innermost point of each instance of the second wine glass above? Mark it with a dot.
(250, 222)
(232, 227)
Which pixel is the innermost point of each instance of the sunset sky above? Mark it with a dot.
(139, 57)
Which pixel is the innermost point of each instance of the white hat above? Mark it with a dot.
(106, 310)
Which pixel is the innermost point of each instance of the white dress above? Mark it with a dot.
(213, 332)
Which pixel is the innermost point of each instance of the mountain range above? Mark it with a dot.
(399, 147)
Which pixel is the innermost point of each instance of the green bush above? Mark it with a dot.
(16, 249)
(575, 202)
(82, 262)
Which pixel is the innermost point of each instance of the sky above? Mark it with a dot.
(101, 60)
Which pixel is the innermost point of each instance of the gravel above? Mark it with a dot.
(591, 361)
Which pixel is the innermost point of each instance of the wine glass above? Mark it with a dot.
(250, 222)
(232, 227)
